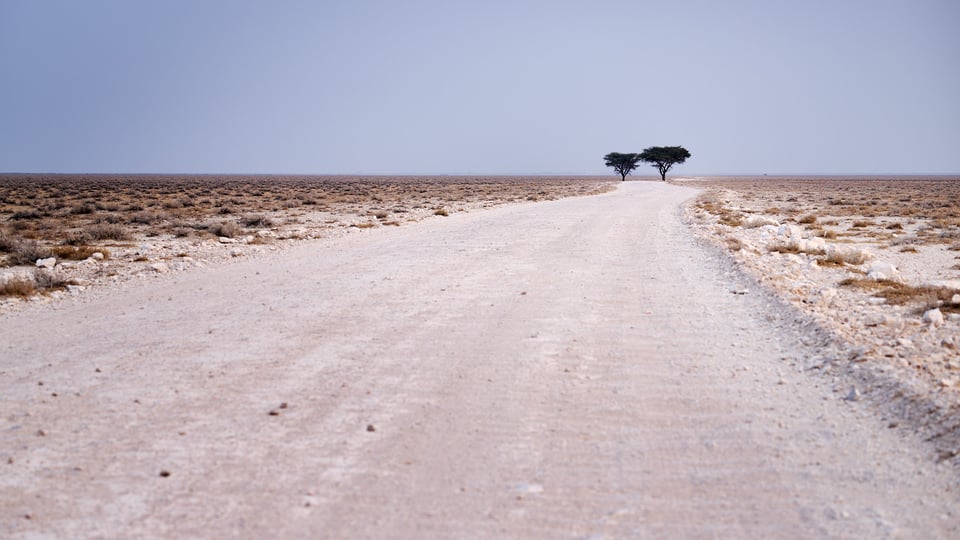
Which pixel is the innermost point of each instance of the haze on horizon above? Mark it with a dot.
(439, 87)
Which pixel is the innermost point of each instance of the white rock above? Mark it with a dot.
(236, 252)
(812, 245)
(854, 394)
(159, 267)
(225, 240)
(47, 263)
(97, 256)
(759, 221)
(790, 231)
(266, 232)
(933, 316)
(827, 296)
(883, 267)
(877, 276)
(955, 299)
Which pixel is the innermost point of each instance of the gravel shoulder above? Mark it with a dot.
(573, 368)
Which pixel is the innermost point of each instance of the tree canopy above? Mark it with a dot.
(664, 157)
(624, 164)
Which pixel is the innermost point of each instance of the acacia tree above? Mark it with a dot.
(664, 157)
(624, 164)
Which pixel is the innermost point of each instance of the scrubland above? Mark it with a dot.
(875, 261)
(63, 233)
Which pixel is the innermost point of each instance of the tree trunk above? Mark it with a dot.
(663, 176)
(623, 177)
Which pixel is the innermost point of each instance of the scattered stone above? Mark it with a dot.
(904, 342)
(753, 222)
(159, 267)
(955, 299)
(49, 262)
(370, 428)
(933, 317)
(225, 240)
(883, 267)
(164, 474)
(824, 297)
(854, 395)
(236, 252)
(858, 354)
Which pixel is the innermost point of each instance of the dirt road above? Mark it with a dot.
(569, 369)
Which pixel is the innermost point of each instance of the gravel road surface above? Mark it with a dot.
(568, 369)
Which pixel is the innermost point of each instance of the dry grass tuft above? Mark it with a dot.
(808, 219)
(79, 253)
(897, 293)
(39, 282)
(18, 286)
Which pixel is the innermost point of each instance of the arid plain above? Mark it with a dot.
(92, 230)
(875, 261)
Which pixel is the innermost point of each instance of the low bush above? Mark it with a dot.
(106, 231)
(228, 229)
(78, 253)
(18, 286)
(27, 252)
(257, 220)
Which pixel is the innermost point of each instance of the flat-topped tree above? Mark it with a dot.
(624, 164)
(664, 157)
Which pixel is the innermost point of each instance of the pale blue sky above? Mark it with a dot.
(486, 87)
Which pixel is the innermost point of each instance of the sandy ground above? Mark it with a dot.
(577, 368)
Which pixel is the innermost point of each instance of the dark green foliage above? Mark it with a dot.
(664, 157)
(624, 164)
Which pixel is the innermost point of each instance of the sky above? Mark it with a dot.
(479, 87)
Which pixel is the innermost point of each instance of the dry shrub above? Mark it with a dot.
(808, 219)
(27, 252)
(40, 281)
(897, 293)
(83, 209)
(27, 214)
(7, 242)
(441, 212)
(228, 229)
(18, 286)
(257, 220)
(106, 231)
(50, 281)
(78, 253)
(146, 218)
